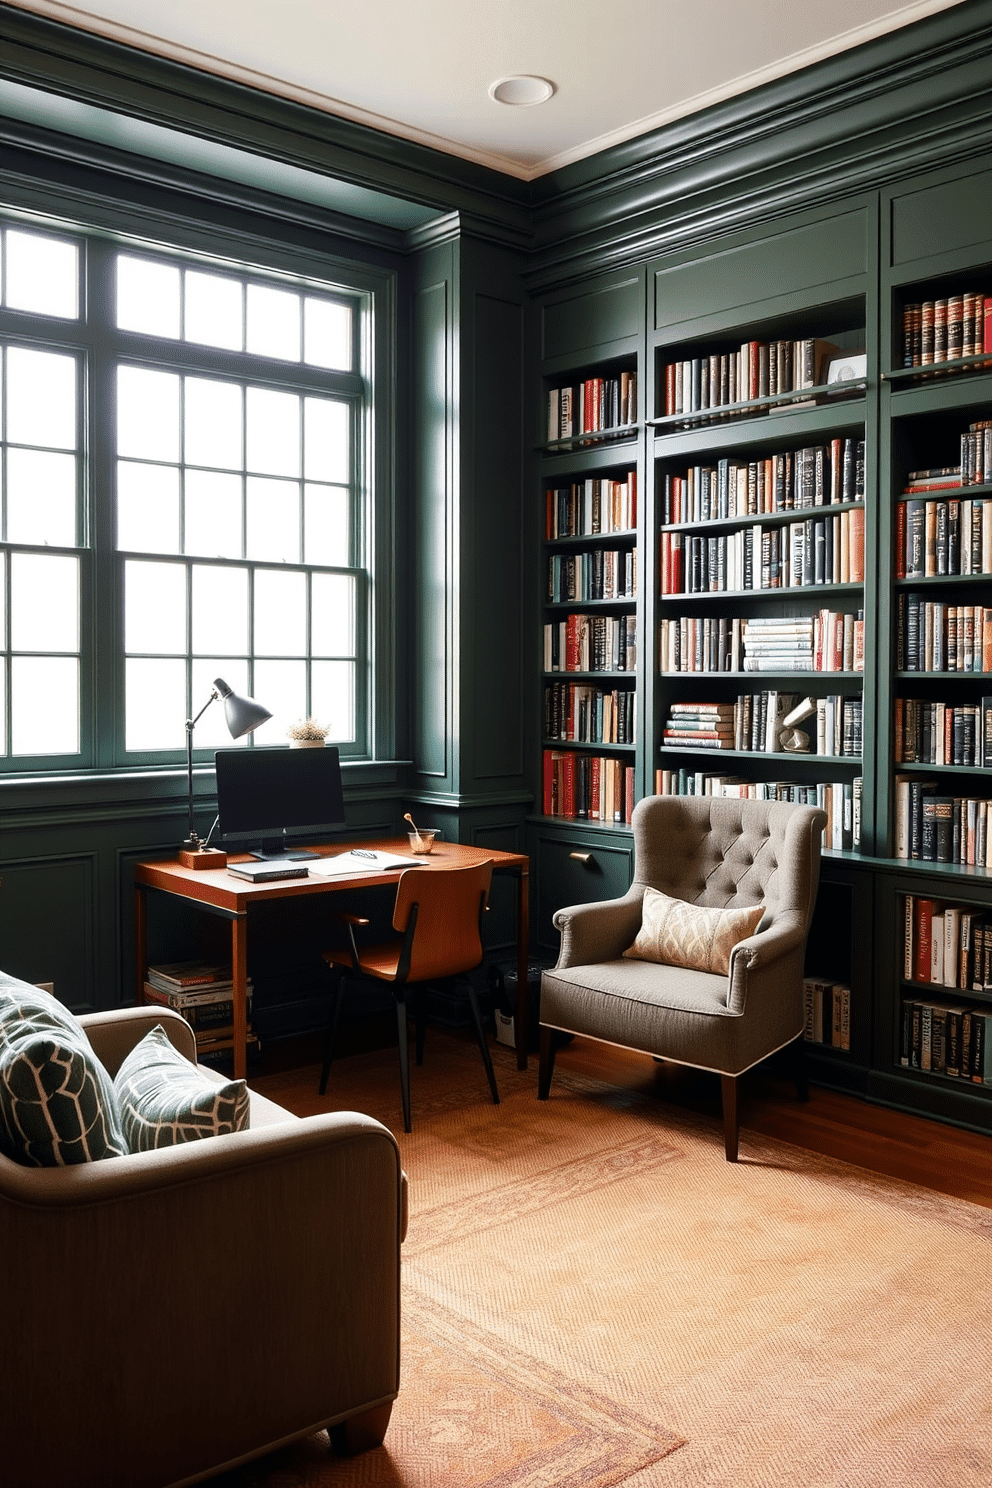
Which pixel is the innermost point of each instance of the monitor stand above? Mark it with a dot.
(277, 852)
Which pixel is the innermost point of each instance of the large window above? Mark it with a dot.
(184, 496)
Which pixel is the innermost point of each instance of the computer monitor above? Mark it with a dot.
(268, 797)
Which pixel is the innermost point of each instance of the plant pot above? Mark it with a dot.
(306, 743)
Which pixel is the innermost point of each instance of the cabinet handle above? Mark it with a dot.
(578, 857)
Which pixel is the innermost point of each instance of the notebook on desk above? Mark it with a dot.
(361, 860)
(266, 872)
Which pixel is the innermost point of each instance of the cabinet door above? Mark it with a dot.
(581, 868)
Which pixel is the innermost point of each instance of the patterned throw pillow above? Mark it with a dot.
(57, 1102)
(675, 933)
(164, 1099)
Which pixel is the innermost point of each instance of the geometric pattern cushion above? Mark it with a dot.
(675, 933)
(164, 1100)
(57, 1103)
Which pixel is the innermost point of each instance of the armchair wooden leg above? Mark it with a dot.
(401, 1029)
(728, 1085)
(362, 1432)
(332, 1029)
(546, 1067)
(480, 1034)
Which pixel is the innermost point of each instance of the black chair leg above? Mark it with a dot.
(420, 1018)
(332, 1029)
(480, 1034)
(728, 1085)
(546, 1067)
(401, 1030)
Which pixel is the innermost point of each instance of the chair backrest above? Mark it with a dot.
(723, 852)
(449, 904)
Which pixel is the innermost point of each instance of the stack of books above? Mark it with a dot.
(202, 992)
(700, 726)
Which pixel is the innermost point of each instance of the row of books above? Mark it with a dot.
(829, 641)
(935, 637)
(824, 550)
(948, 945)
(953, 1038)
(589, 787)
(757, 369)
(754, 722)
(592, 406)
(937, 537)
(931, 732)
(590, 507)
(818, 475)
(600, 573)
(591, 643)
(828, 1012)
(943, 329)
(840, 799)
(589, 715)
(933, 826)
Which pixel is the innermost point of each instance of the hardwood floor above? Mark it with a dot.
(911, 1148)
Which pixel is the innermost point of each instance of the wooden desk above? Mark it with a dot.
(221, 893)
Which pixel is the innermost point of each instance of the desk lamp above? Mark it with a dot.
(242, 716)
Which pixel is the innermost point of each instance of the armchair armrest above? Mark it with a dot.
(761, 957)
(598, 932)
(113, 1034)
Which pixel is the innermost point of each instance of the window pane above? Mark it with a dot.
(326, 526)
(147, 508)
(333, 699)
(214, 311)
(44, 602)
(41, 398)
(3, 604)
(273, 323)
(273, 422)
(280, 614)
(42, 275)
(326, 443)
(147, 414)
(333, 624)
(220, 612)
(44, 705)
(273, 520)
(327, 334)
(280, 686)
(155, 704)
(212, 732)
(154, 607)
(41, 498)
(212, 424)
(147, 297)
(213, 514)
(3, 711)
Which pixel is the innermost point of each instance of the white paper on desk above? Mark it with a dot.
(346, 864)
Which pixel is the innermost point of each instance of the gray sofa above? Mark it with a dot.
(171, 1313)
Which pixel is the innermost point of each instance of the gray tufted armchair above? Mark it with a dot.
(708, 851)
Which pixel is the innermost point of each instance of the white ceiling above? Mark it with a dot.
(423, 70)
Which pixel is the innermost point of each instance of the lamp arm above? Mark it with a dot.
(192, 838)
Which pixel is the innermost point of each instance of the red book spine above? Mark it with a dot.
(987, 324)
(924, 925)
(568, 785)
(900, 539)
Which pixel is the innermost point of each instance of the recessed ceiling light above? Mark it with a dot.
(521, 91)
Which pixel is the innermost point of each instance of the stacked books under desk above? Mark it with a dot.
(202, 992)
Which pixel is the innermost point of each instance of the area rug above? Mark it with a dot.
(593, 1296)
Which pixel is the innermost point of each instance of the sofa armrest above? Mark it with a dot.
(113, 1034)
(251, 1277)
(602, 931)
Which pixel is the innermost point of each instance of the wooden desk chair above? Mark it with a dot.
(438, 918)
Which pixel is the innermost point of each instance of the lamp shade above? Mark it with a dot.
(242, 714)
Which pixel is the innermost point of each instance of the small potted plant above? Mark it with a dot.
(306, 733)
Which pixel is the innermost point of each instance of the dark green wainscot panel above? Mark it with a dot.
(592, 322)
(575, 863)
(940, 216)
(47, 926)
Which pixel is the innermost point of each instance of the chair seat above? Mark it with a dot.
(682, 1016)
(380, 961)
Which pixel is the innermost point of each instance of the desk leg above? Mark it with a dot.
(239, 970)
(522, 1009)
(140, 943)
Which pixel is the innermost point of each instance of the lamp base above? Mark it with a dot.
(202, 857)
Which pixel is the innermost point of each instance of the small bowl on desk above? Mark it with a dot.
(422, 842)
